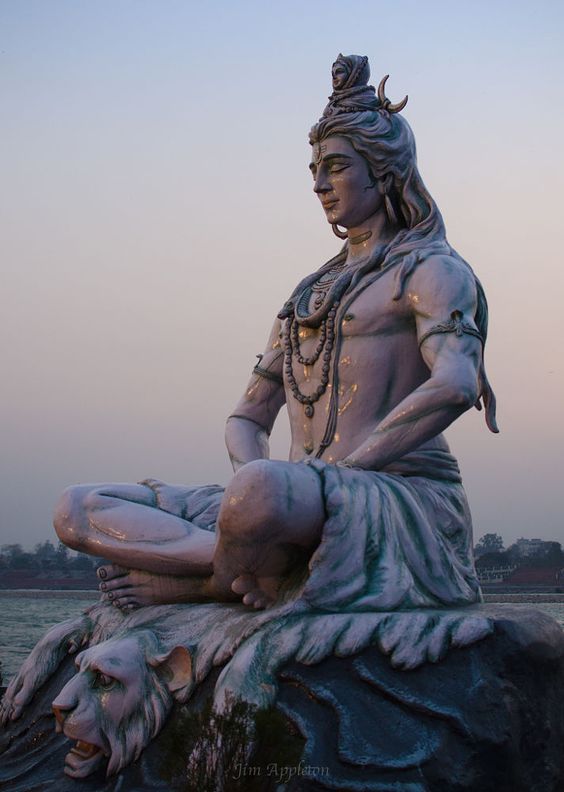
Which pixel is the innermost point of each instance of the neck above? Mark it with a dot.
(363, 238)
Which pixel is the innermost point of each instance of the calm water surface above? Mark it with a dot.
(26, 615)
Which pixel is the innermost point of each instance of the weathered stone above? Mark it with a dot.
(487, 717)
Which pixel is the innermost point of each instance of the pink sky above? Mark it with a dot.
(157, 210)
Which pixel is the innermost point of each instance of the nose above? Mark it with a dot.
(321, 184)
(60, 713)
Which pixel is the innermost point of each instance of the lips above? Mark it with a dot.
(329, 204)
(82, 759)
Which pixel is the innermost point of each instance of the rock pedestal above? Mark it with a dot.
(486, 717)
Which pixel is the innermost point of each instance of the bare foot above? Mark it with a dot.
(132, 588)
(257, 592)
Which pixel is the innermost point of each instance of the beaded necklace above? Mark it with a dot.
(292, 348)
(329, 287)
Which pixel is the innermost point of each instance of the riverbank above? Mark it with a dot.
(64, 594)
(529, 598)
(55, 580)
(522, 596)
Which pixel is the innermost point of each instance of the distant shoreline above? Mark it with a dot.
(91, 594)
(525, 597)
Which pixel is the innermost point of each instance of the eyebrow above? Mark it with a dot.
(328, 158)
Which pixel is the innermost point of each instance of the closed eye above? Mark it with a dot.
(103, 681)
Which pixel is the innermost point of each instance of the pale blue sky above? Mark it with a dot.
(157, 210)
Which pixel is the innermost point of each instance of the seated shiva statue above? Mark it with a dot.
(375, 354)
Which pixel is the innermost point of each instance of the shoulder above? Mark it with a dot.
(442, 281)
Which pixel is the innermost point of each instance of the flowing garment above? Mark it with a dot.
(394, 539)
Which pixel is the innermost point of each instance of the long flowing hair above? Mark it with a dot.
(386, 142)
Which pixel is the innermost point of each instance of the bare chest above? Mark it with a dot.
(368, 313)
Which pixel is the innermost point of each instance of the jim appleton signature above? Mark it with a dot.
(282, 773)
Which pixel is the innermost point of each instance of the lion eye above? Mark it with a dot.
(103, 681)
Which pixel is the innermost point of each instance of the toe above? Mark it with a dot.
(257, 599)
(244, 584)
(109, 571)
(116, 584)
(126, 603)
(252, 596)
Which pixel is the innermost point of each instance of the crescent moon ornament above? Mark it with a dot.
(381, 91)
(385, 102)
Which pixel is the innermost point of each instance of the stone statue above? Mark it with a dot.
(375, 354)
(363, 537)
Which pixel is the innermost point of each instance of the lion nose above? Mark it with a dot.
(60, 713)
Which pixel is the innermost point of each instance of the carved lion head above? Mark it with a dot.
(118, 701)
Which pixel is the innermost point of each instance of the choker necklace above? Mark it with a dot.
(357, 240)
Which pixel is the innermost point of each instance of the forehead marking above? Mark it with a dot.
(319, 150)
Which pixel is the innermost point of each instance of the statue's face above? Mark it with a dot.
(339, 75)
(343, 183)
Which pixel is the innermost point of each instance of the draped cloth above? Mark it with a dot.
(395, 539)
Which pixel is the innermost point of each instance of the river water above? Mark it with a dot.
(26, 615)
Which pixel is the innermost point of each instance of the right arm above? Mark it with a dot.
(249, 426)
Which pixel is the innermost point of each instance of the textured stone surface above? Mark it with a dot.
(487, 717)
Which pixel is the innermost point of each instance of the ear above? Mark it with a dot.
(175, 667)
(385, 183)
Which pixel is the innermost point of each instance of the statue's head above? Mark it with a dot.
(350, 71)
(369, 123)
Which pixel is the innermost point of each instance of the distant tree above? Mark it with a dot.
(493, 560)
(45, 555)
(62, 556)
(24, 561)
(13, 554)
(489, 543)
(551, 557)
(82, 561)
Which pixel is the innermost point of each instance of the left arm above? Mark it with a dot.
(443, 300)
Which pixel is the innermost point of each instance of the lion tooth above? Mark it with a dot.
(84, 749)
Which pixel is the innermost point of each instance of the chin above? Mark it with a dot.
(333, 219)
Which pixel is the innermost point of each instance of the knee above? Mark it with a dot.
(69, 516)
(252, 504)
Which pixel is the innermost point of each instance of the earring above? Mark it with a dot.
(338, 232)
(390, 211)
(384, 186)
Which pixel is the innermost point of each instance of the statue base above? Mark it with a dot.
(486, 717)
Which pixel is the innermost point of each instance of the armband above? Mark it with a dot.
(454, 325)
(269, 375)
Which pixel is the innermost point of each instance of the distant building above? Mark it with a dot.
(494, 574)
(534, 576)
(529, 548)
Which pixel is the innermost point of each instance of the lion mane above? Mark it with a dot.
(118, 700)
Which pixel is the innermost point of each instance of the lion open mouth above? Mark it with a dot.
(82, 759)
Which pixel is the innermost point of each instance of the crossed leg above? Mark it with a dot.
(271, 511)
(268, 511)
(157, 557)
